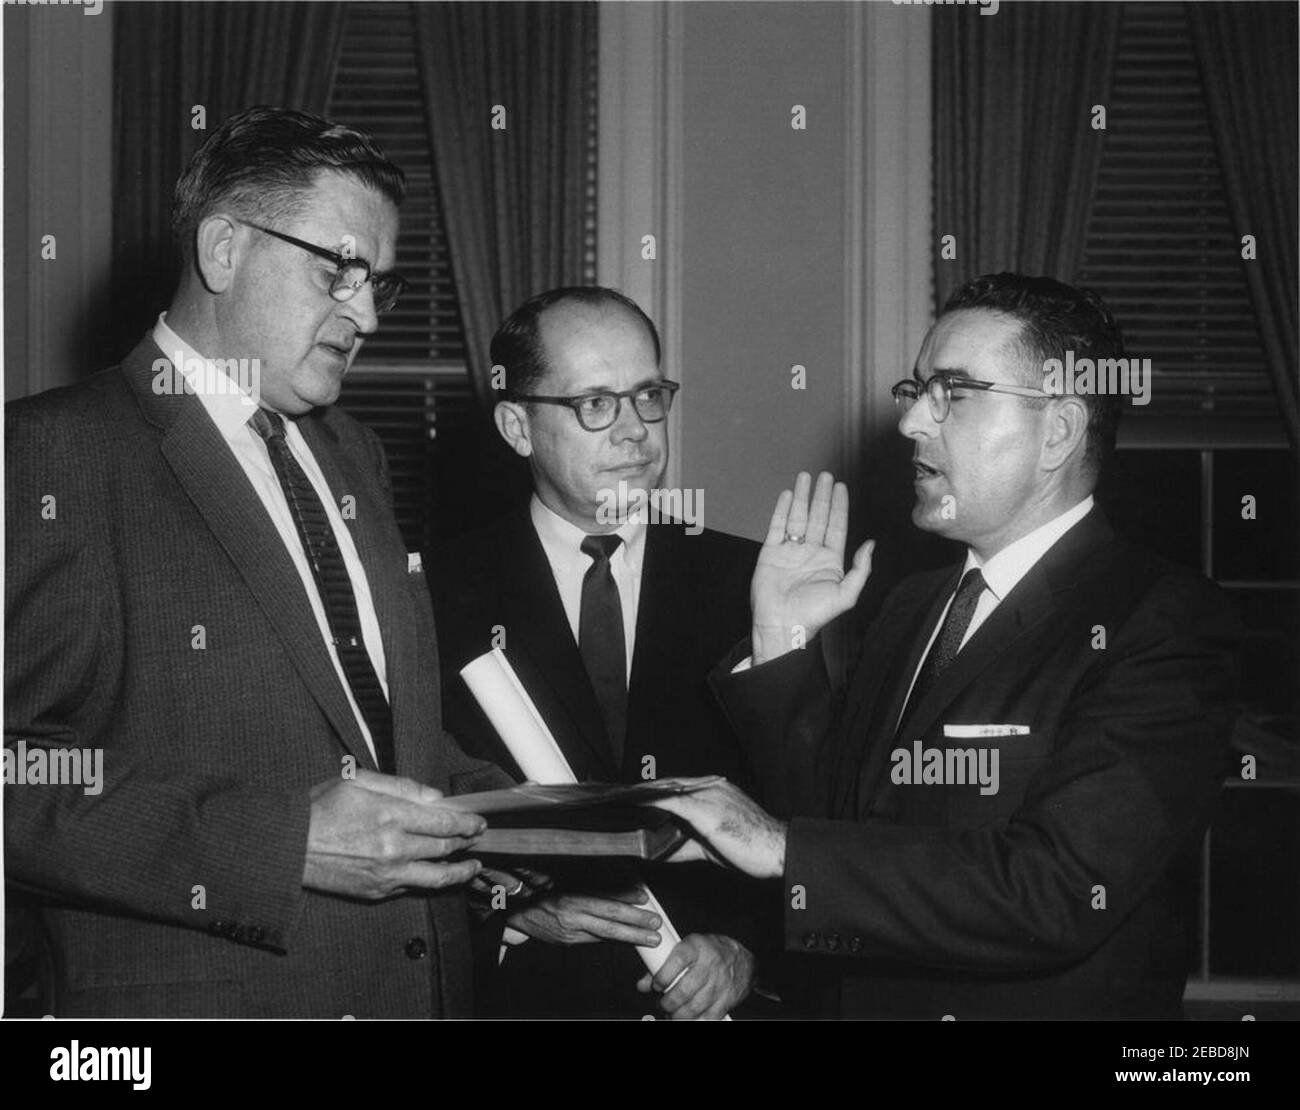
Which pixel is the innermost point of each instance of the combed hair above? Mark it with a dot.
(517, 344)
(1055, 317)
(259, 163)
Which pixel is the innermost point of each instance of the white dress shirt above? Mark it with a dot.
(1001, 573)
(562, 543)
(231, 411)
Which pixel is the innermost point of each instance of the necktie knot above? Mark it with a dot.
(972, 585)
(268, 425)
(601, 547)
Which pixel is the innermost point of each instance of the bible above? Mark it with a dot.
(578, 819)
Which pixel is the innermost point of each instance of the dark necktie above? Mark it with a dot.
(944, 649)
(600, 639)
(331, 574)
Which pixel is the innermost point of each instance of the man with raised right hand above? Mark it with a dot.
(996, 813)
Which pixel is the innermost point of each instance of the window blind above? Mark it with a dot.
(1162, 249)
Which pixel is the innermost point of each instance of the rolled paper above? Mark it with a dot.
(500, 694)
(497, 689)
(654, 958)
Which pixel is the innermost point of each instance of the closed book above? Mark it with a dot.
(639, 834)
(578, 819)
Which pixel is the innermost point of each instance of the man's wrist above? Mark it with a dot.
(772, 641)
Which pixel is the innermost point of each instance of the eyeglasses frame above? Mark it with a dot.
(951, 381)
(342, 263)
(576, 400)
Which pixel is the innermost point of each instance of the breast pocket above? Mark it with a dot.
(1030, 745)
(1003, 767)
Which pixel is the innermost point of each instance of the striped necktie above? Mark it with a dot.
(333, 584)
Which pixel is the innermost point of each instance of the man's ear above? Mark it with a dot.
(215, 252)
(1067, 429)
(511, 419)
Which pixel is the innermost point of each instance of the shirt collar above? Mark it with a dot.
(230, 406)
(560, 536)
(1005, 569)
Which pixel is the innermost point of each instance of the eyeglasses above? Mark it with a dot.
(352, 273)
(938, 391)
(600, 409)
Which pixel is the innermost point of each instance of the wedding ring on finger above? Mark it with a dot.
(794, 539)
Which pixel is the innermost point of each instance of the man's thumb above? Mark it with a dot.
(858, 573)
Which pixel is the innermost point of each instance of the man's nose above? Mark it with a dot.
(629, 424)
(360, 309)
(917, 422)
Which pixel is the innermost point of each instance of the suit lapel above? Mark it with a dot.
(876, 699)
(667, 605)
(926, 619)
(214, 481)
(540, 643)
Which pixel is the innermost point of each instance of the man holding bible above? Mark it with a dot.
(205, 585)
(996, 812)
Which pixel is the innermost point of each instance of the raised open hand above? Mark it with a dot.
(800, 584)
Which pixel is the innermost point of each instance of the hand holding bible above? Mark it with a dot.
(377, 835)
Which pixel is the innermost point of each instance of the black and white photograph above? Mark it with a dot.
(588, 511)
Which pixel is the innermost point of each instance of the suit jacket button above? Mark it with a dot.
(417, 948)
(810, 940)
(218, 928)
(833, 942)
(855, 945)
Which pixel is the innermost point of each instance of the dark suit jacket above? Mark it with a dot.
(157, 615)
(694, 602)
(1064, 894)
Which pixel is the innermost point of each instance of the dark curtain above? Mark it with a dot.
(168, 59)
(1248, 59)
(1015, 155)
(512, 197)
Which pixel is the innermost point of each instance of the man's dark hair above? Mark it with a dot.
(260, 162)
(1055, 317)
(517, 345)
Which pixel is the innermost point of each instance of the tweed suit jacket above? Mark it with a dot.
(153, 612)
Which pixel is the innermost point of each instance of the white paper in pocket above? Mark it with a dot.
(974, 732)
